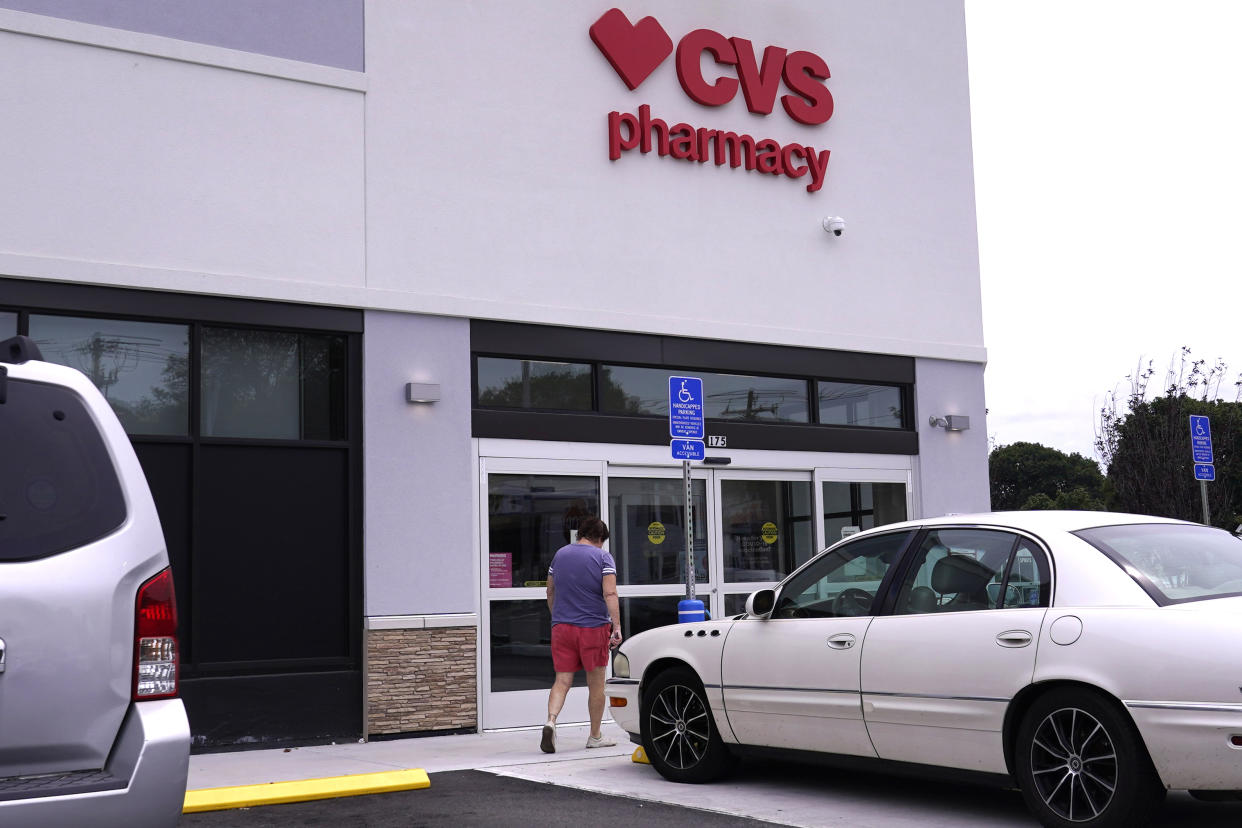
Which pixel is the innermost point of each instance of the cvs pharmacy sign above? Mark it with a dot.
(636, 50)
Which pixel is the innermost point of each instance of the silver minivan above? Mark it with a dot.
(91, 729)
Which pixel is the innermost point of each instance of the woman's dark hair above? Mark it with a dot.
(593, 529)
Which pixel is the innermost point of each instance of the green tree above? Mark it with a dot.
(1033, 476)
(1146, 443)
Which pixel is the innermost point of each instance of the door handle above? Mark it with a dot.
(841, 641)
(1, 655)
(1014, 638)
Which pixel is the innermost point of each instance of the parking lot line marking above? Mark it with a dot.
(275, 793)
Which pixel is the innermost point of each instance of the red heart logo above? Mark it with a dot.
(634, 51)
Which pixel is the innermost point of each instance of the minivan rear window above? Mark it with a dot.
(58, 488)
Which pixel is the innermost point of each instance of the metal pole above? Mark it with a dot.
(1207, 518)
(685, 474)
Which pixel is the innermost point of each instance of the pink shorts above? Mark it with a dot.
(579, 648)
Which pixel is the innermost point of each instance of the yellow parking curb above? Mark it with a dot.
(275, 793)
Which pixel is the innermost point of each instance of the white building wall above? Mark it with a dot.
(952, 466)
(130, 162)
(419, 510)
(466, 173)
(488, 169)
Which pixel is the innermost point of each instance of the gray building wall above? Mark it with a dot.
(419, 511)
(327, 32)
(952, 469)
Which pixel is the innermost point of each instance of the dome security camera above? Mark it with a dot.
(834, 225)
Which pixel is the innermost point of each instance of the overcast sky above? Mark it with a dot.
(1108, 174)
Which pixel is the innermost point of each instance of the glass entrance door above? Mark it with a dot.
(766, 529)
(531, 509)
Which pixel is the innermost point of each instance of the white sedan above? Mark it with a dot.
(1093, 659)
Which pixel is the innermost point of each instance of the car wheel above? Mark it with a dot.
(678, 731)
(1081, 763)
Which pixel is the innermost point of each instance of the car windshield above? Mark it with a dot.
(1174, 562)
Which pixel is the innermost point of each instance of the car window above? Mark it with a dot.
(958, 570)
(1173, 562)
(58, 488)
(843, 582)
(1027, 583)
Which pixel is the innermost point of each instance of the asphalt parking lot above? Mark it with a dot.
(615, 791)
(470, 798)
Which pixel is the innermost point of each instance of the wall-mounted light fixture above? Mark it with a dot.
(422, 392)
(950, 422)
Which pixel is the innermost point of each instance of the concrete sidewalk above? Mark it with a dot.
(431, 753)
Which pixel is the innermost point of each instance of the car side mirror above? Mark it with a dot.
(759, 603)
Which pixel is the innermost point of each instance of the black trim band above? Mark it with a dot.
(603, 428)
(544, 341)
(132, 303)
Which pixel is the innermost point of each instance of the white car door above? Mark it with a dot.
(792, 680)
(940, 671)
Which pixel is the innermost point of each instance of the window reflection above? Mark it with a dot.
(631, 390)
(8, 324)
(844, 582)
(735, 603)
(647, 520)
(855, 404)
(853, 507)
(274, 385)
(529, 517)
(521, 647)
(142, 368)
(645, 613)
(527, 383)
(766, 527)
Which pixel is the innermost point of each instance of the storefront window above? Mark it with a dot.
(8, 324)
(273, 385)
(853, 507)
(529, 517)
(630, 390)
(854, 404)
(647, 521)
(527, 383)
(142, 368)
(766, 526)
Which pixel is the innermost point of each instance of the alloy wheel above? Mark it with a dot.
(680, 727)
(1074, 764)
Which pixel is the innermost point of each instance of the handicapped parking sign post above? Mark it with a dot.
(1202, 456)
(685, 427)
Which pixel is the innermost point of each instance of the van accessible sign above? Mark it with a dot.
(635, 50)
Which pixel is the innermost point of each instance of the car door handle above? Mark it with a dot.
(1, 655)
(1014, 638)
(841, 641)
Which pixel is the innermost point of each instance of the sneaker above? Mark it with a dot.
(600, 741)
(547, 743)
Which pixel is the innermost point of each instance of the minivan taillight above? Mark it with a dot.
(155, 639)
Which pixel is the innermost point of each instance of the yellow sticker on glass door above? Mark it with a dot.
(768, 532)
(655, 532)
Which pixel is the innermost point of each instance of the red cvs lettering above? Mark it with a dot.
(803, 72)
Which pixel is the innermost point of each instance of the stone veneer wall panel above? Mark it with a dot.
(421, 680)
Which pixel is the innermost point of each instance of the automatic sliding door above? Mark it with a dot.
(529, 515)
(767, 529)
(646, 518)
(851, 506)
